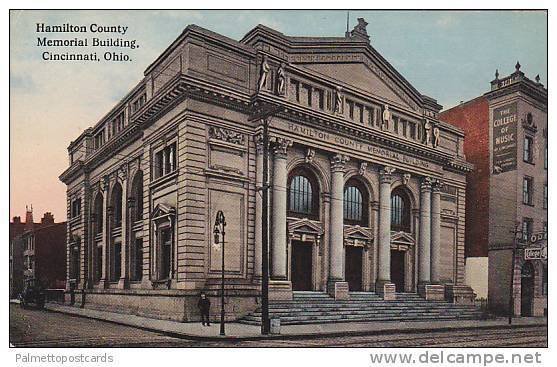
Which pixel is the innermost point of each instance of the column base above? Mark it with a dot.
(280, 290)
(338, 290)
(123, 283)
(104, 283)
(432, 292)
(461, 294)
(386, 289)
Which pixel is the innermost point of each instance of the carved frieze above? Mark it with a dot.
(227, 135)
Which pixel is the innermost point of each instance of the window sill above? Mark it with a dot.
(163, 179)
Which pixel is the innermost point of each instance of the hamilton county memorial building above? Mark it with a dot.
(367, 185)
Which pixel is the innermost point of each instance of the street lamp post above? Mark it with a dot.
(218, 230)
(517, 233)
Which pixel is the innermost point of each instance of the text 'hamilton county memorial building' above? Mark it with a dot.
(367, 185)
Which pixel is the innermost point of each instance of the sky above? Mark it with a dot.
(448, 55)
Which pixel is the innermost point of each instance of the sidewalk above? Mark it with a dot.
(194, 330)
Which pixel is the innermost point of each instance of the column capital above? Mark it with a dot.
(386, 174)
(426, 183)
(338, 161)
(436, 186)
(280, 146)
(258, 139)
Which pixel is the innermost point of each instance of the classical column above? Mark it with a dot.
(384, 246)
(278, 215)
(105, 235)
(435, 233)
(258, 206)
(424, 251)
(124, 258)
(336, 230)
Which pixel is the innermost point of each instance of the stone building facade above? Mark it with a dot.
(507, 131)
(367, 185)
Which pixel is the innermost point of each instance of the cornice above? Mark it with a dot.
(536, 93)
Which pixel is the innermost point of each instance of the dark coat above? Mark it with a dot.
(204, 305)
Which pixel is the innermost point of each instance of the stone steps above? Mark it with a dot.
(315, 307)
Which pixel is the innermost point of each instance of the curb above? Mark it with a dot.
(326, 334)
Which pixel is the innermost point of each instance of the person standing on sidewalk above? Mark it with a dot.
(204, 306)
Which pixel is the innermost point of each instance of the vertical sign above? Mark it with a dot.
(504, 138)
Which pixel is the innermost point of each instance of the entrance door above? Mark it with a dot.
(301, 265)
(397, 269)
(354, 268)
(526, 289)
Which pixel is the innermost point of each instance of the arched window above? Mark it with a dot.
(303, 195)
(137, 195)
(355, 203)
(98, 211)
(400, 211)
(117, 205)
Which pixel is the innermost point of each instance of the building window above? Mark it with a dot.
(302, 195)
(74, 261)
(137, 192)
(395, 124)
(545, 157)
(165, 161)
(527, 149)
(350, 109)
(355, 204)
(137, 269)
(138, 103)
(118, 124)
(98, 210)
(412, 129)
(400, 211)
(117, 205)
(117, 273)
(99, 139)
(545, 196)
(528, 190)
(75, 208)
(98, 262)
(527, 228)
(166, 252)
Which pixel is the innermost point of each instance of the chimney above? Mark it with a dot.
(16, 220)
(29, 217)
(47, 218)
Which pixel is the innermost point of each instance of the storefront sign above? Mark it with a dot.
(504, 138)
(535, 253)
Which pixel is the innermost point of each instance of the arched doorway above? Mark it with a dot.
(526, 289)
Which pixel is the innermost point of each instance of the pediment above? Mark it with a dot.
(357, 232)
(162, 210)
(402, 238)
(305, 226)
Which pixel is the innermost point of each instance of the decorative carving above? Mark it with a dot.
(406, 178)
(427, 129)
(436, 135)
(517, 66)
(123, 171)
(338, 100)
(360, 30)
(310, 154)
(426, 184)
(338, 161)
(258, 139)
(226, 135)
(105, 184)
(436, 185)
(363, 167)
(281, 80)
(386, 117)
(496, 74)
(386, 174)
(264, 72)
(280, 146)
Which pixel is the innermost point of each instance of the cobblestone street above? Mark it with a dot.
(35, 328)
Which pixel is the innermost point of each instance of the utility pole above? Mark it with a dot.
(511, 291)
(265, 322)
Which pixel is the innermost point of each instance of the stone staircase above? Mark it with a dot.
(316, 307)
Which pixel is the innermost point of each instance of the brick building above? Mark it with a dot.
(368, 186)
(38, 252)
(17, 227)
(506, 131)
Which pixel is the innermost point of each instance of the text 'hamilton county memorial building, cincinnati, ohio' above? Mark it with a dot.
(367, 185)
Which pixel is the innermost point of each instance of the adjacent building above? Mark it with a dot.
(37, 250)
(367, 185)
(506, 132)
